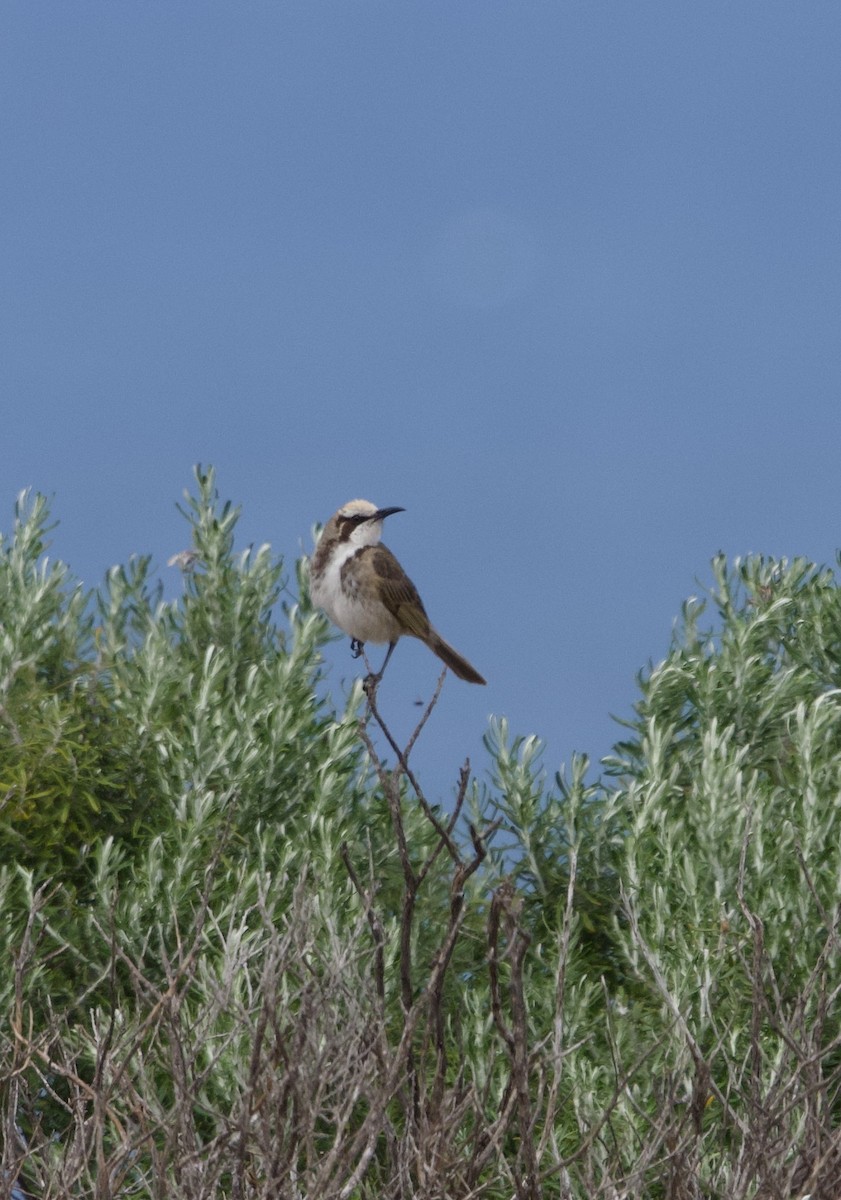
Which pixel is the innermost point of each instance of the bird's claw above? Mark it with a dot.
(370, 684)
(356, 647)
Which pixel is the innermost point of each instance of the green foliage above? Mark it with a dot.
(256, 962)
(733, 778)
(731, 861)
(65, 777)
(110, 730)
(560, 847)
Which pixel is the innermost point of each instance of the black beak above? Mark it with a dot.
(382, 513)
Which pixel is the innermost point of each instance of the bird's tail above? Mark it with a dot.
(458, 665)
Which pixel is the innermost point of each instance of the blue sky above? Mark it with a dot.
(562, 279)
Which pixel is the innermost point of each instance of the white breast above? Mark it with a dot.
(354, 610)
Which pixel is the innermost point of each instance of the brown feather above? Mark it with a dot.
(458, 665)
(399, 594)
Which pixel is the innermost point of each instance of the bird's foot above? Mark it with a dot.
(370, 684)
(356, 647)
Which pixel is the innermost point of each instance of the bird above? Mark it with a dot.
(362, 588)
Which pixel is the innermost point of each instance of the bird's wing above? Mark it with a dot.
(399, 594)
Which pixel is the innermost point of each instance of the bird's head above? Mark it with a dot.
(359, 522)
